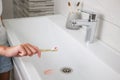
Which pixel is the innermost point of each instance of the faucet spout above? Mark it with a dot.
(90, 23)
(91, 28)
(82, 22)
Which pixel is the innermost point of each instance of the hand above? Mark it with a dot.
(22, 50)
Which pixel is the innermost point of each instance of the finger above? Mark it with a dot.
(37, 50)
(33, 50)
(28, 50)
(22, 50)
(18, 55)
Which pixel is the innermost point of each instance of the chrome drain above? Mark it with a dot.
(66, 70)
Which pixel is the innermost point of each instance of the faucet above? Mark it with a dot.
(90, 23)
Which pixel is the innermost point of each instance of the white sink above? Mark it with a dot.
(44, 33)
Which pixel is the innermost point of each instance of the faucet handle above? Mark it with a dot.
(92, 17)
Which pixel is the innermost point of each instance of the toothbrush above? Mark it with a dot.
(44, 50)
(49, 50)
(77, 6)
(69, 5)
(81, 5)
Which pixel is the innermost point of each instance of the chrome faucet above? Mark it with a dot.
(90, 23)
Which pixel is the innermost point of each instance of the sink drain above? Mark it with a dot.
(66, 70)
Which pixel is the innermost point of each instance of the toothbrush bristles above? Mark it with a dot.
(55, 48)
(78, 4)
(69, 4)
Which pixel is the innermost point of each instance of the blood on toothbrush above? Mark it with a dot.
(56, 48)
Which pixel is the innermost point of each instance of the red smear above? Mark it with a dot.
(56, 48)
(48, 71)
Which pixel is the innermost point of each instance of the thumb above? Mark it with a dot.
(21, 51)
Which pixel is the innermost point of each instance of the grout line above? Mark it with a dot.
(110, 22)
(107, 19)
(112, 48)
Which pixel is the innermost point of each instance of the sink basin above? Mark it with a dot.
(79, 63)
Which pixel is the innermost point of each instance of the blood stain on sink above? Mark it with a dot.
(48, 71)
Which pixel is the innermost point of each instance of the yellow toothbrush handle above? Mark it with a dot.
(47, 50)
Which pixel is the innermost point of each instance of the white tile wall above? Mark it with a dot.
(109, 9)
